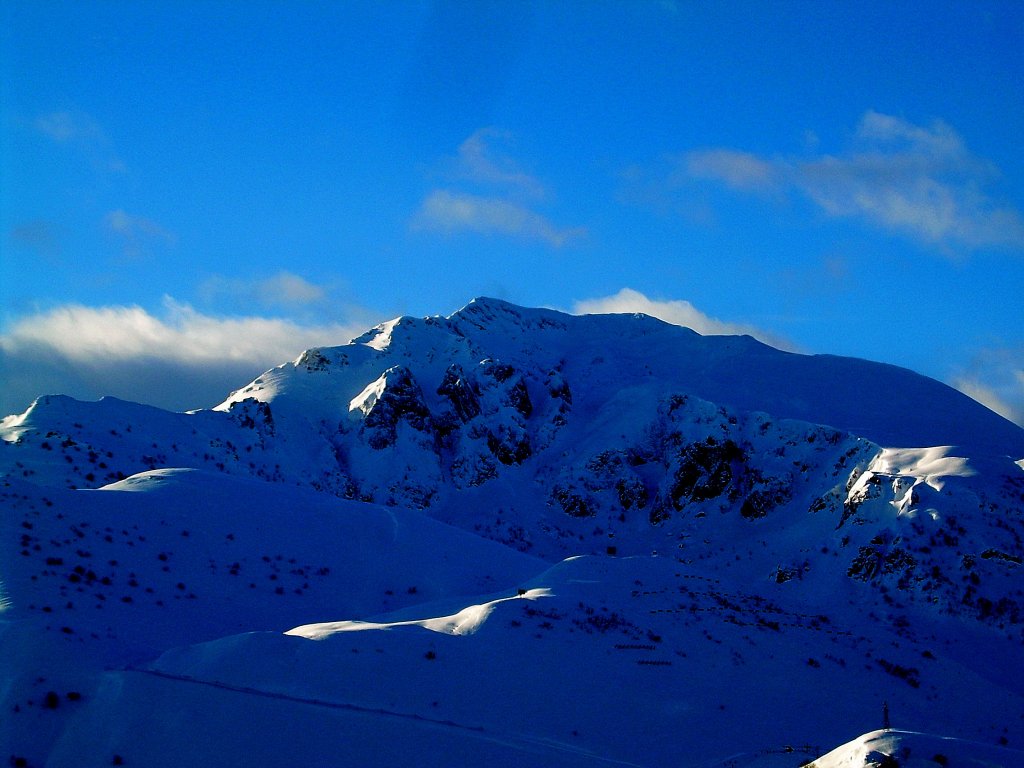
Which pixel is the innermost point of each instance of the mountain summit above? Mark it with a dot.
(883, 403)
(676, 545)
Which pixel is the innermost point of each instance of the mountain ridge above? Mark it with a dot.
(690, 564)
(492, 317)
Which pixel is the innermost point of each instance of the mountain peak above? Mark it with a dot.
(483, 303)
(734, 548)
(485, 312)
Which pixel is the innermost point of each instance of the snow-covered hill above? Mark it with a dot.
(772, 546)
(915, 750)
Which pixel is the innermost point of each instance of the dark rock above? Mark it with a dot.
(509, 446)
(572, 504)
(463, 398)
(705, 471)
(401, 400)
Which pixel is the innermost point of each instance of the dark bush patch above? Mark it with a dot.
(573, 504)
(908, 674)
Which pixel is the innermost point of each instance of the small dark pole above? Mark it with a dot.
(885, 716)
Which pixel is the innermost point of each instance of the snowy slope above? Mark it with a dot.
(377, 544)
(114, 577)
(600, 661)
(916, 750)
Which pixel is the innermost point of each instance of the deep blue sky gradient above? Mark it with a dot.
(186, 152)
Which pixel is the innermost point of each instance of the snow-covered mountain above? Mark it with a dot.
(518, 536)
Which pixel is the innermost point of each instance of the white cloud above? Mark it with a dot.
(137, 234)
(920, 181)
(284, 289)
(677, 312)
(129, 332)
(179, 359)
(448, 211)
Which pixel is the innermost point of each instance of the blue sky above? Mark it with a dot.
(195, 191)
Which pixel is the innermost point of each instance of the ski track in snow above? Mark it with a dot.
(523, 743)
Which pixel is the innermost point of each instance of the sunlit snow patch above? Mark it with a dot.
(12, 427)
(378, 337)
(892, 747)
(365, 400)
(465, 622)
(915, 474)
(147, 481)
(929, 464)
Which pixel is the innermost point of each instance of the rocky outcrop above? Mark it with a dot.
(398, 401)
(460, 393)
(704, 471)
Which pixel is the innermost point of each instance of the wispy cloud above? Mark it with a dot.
(741, 171)
(449, 212)
(677, 312)
(179, 358)
(481, 162)
(995, 378)
(286, 288)
(490, 193)
(920, 181)
(83, 132)
(63, 127)
(283, 289)
(137, 234)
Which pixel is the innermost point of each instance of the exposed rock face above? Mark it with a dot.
(763, 500)
(464, 400)
(704, 471)
(558, 387)
(254, 414)
(883, 556)
(399, 400)
(572, 504)
(509, 445)
(313, 360)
